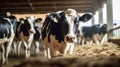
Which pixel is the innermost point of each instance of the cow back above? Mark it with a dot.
(5, 28)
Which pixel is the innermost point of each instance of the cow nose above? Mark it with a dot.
(32, 31)
(70, 38)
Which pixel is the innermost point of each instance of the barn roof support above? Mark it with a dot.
(110, 17)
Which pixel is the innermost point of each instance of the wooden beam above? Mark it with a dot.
(45, 10)
(49, 3)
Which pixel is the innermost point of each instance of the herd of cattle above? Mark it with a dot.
(58, 34)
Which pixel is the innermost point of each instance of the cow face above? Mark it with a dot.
(73, 20)
(31, 23)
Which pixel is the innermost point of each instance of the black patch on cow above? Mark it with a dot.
(37, 34)
(14, 22)
(4, 28)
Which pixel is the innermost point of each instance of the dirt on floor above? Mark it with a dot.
(104, 55)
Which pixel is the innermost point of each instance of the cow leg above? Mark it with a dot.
(14, 48)
(79, 40)
(29, 44)
(91, 42)
(8, 48)
(67, 48)
(72, 48)
(19, 45)
(37, 50)
(104, 39)
(47, 52)
(87, 42)
(26, 50)
(97, 42)
(83, 41)
(3, 54)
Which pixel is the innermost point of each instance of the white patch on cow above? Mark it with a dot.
(70, 16)
(31, 20)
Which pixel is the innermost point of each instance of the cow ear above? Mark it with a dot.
(38, 20)
(54, 17)
(85, 17)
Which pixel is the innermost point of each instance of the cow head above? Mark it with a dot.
(103, 28)
(73, 20)
(38, 20)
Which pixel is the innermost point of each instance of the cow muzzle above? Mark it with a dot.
(70, 39)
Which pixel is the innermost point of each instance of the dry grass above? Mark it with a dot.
(104, 55)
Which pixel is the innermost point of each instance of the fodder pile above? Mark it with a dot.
(104, 55)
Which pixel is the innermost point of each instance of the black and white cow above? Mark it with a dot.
(37, 37)
(95, 33)
(8, 24)
(25, 34)
(59, 31)
(37, 40)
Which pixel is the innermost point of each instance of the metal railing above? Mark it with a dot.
(116, 32)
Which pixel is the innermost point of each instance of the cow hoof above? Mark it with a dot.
(4, 62)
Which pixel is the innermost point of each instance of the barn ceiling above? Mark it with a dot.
(46, 6)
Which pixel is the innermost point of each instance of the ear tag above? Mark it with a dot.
(22, 22)
(55, 19)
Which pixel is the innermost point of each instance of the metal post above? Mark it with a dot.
(100, 15)
(110, 17)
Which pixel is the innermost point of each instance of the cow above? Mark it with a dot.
(59, 31)
(8, 24)
(25, 34)
(37, 37)
(95, 33)
(37, 40)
